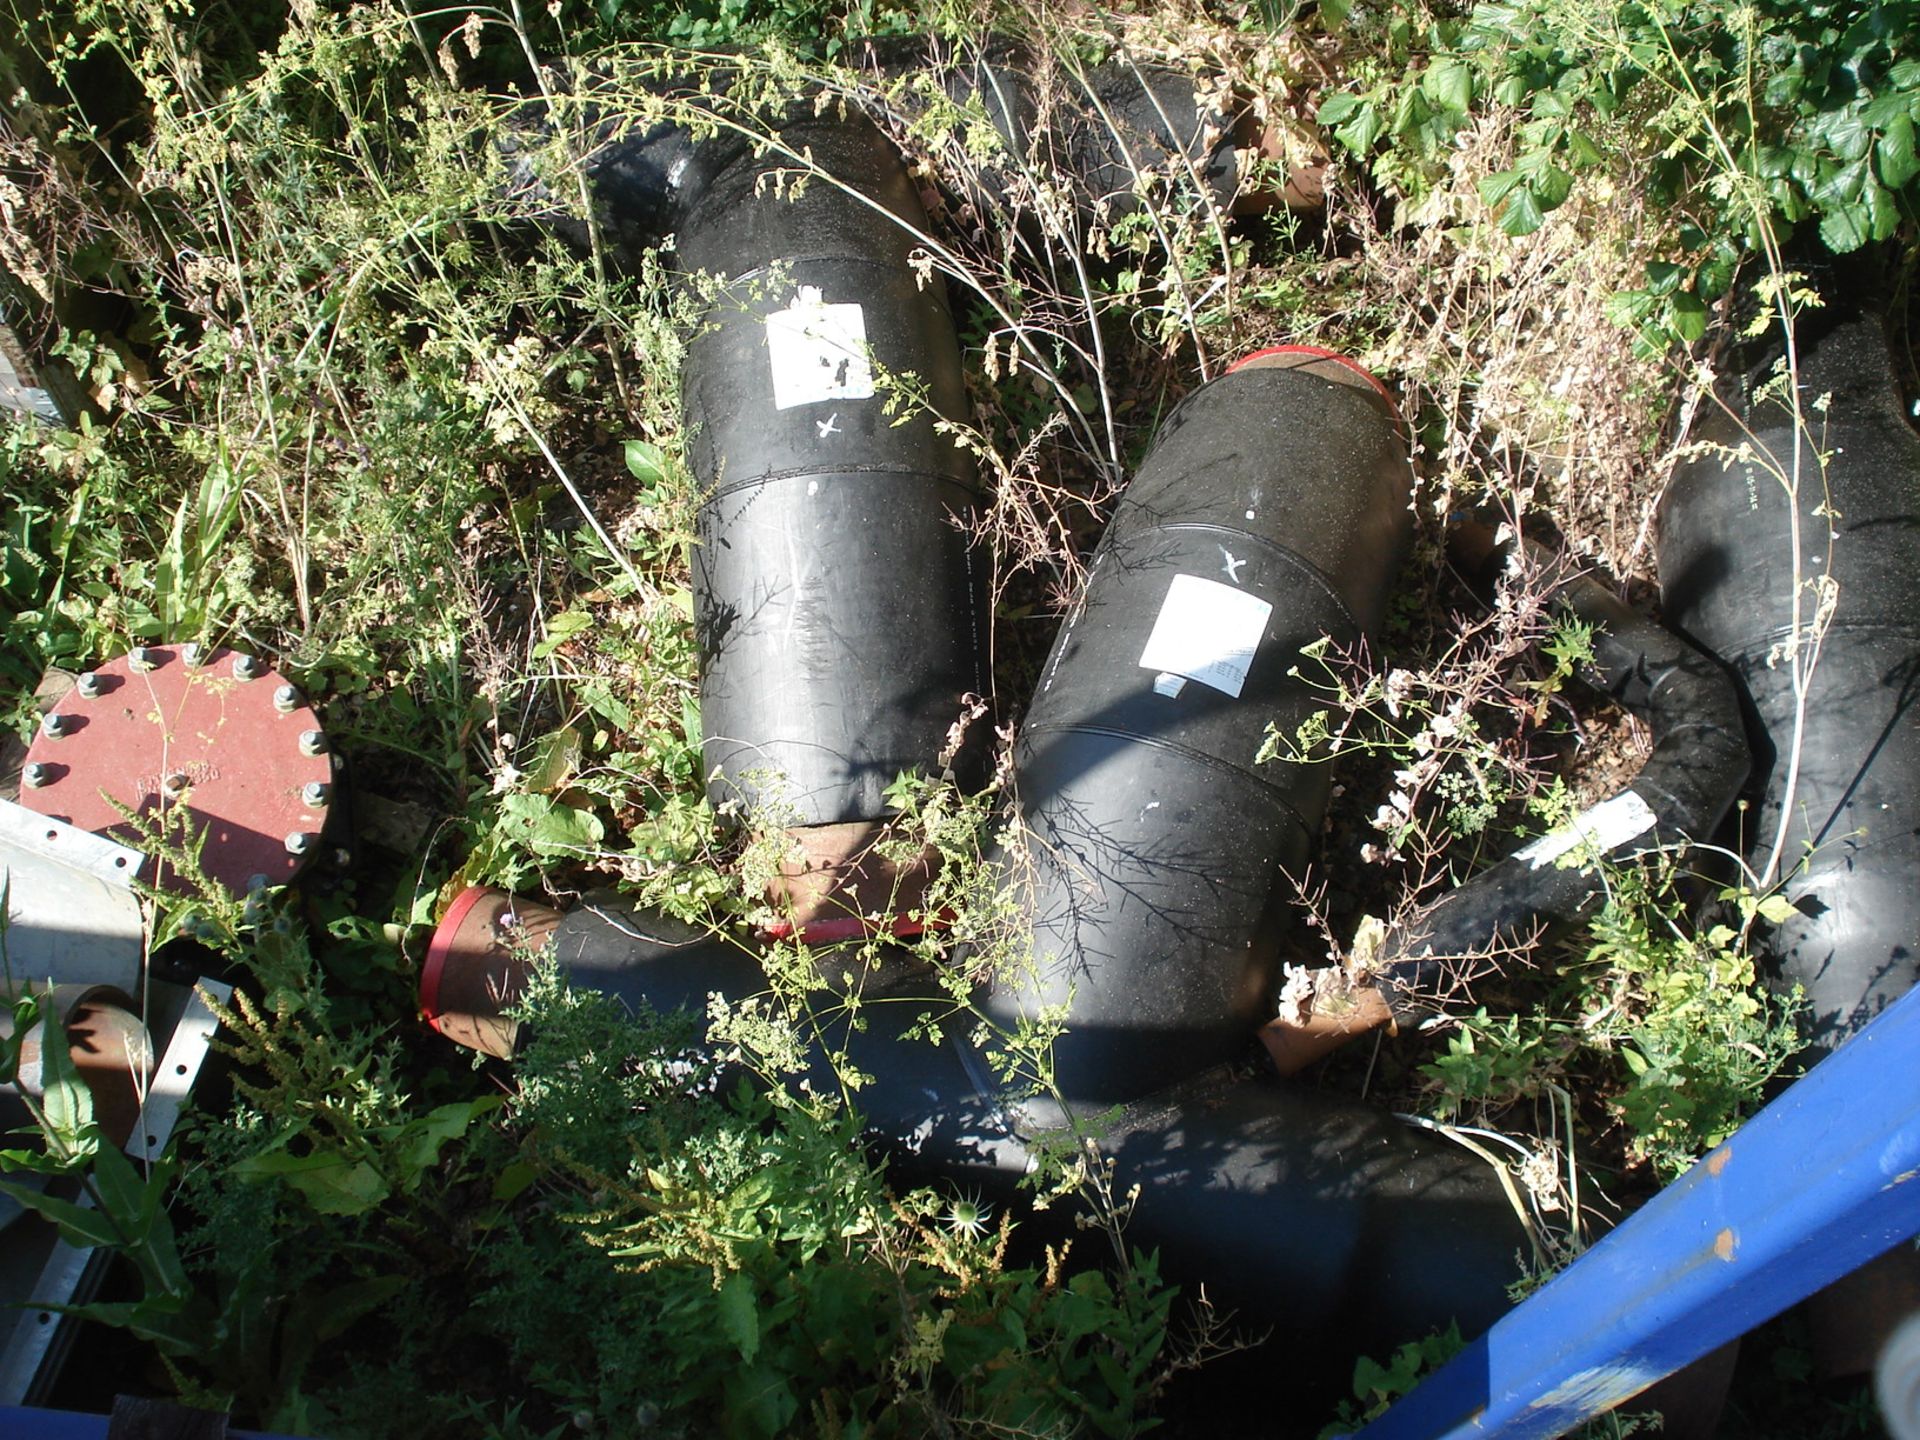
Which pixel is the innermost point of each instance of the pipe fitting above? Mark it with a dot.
(1271, 513)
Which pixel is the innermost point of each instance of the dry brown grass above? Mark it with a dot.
(1548, 412)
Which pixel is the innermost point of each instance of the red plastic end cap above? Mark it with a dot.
(441, 947)
(1269, 354)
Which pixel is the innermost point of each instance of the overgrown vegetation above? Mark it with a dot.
(357, 405)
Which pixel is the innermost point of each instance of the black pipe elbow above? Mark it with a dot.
(1097, 137)
(1727, 560)
(1681, 795)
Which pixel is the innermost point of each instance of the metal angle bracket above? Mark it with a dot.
(39, 1335)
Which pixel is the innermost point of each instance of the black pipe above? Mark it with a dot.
(1850, 856)
(1851, 862)
(1099, 131)
(1689, 783)
(1271, 513)
(839, 617)
(1323, 1218)
(1096, 136)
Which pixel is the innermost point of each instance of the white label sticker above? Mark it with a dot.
(1606, 826)
(818, 352)
(1207, 632)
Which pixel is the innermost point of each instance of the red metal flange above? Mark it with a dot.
(222, 735)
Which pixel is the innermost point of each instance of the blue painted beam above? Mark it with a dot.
(1821, 1181)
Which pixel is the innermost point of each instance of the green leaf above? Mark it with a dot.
(1664, 277)
(1883, 212)
(550, 829)
(1497, 186)
(174, 1328)
(1839, 186)
(80, 1226)
(562, 628)
(1337, 108)
(423, 1138)
(332, 1184)
(1848, 133)
(554, 762)
(1894, 156)
(514, 1180)
(740, 1314)
(1449, 84)
(66, 1105)
(646, 463)
(1777, 910)
(1361, 132)
(1522, 215)
(1552, 186)
(1845, 229)
(133, 1201)
(1687, 314)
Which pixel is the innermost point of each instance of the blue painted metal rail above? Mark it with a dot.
(1821, 1181)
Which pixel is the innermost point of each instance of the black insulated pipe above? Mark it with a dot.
(1272, 511)
(1850, 861)
(838, 614)
(1679, 798)
(1098, 134)
(1325, 1219)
